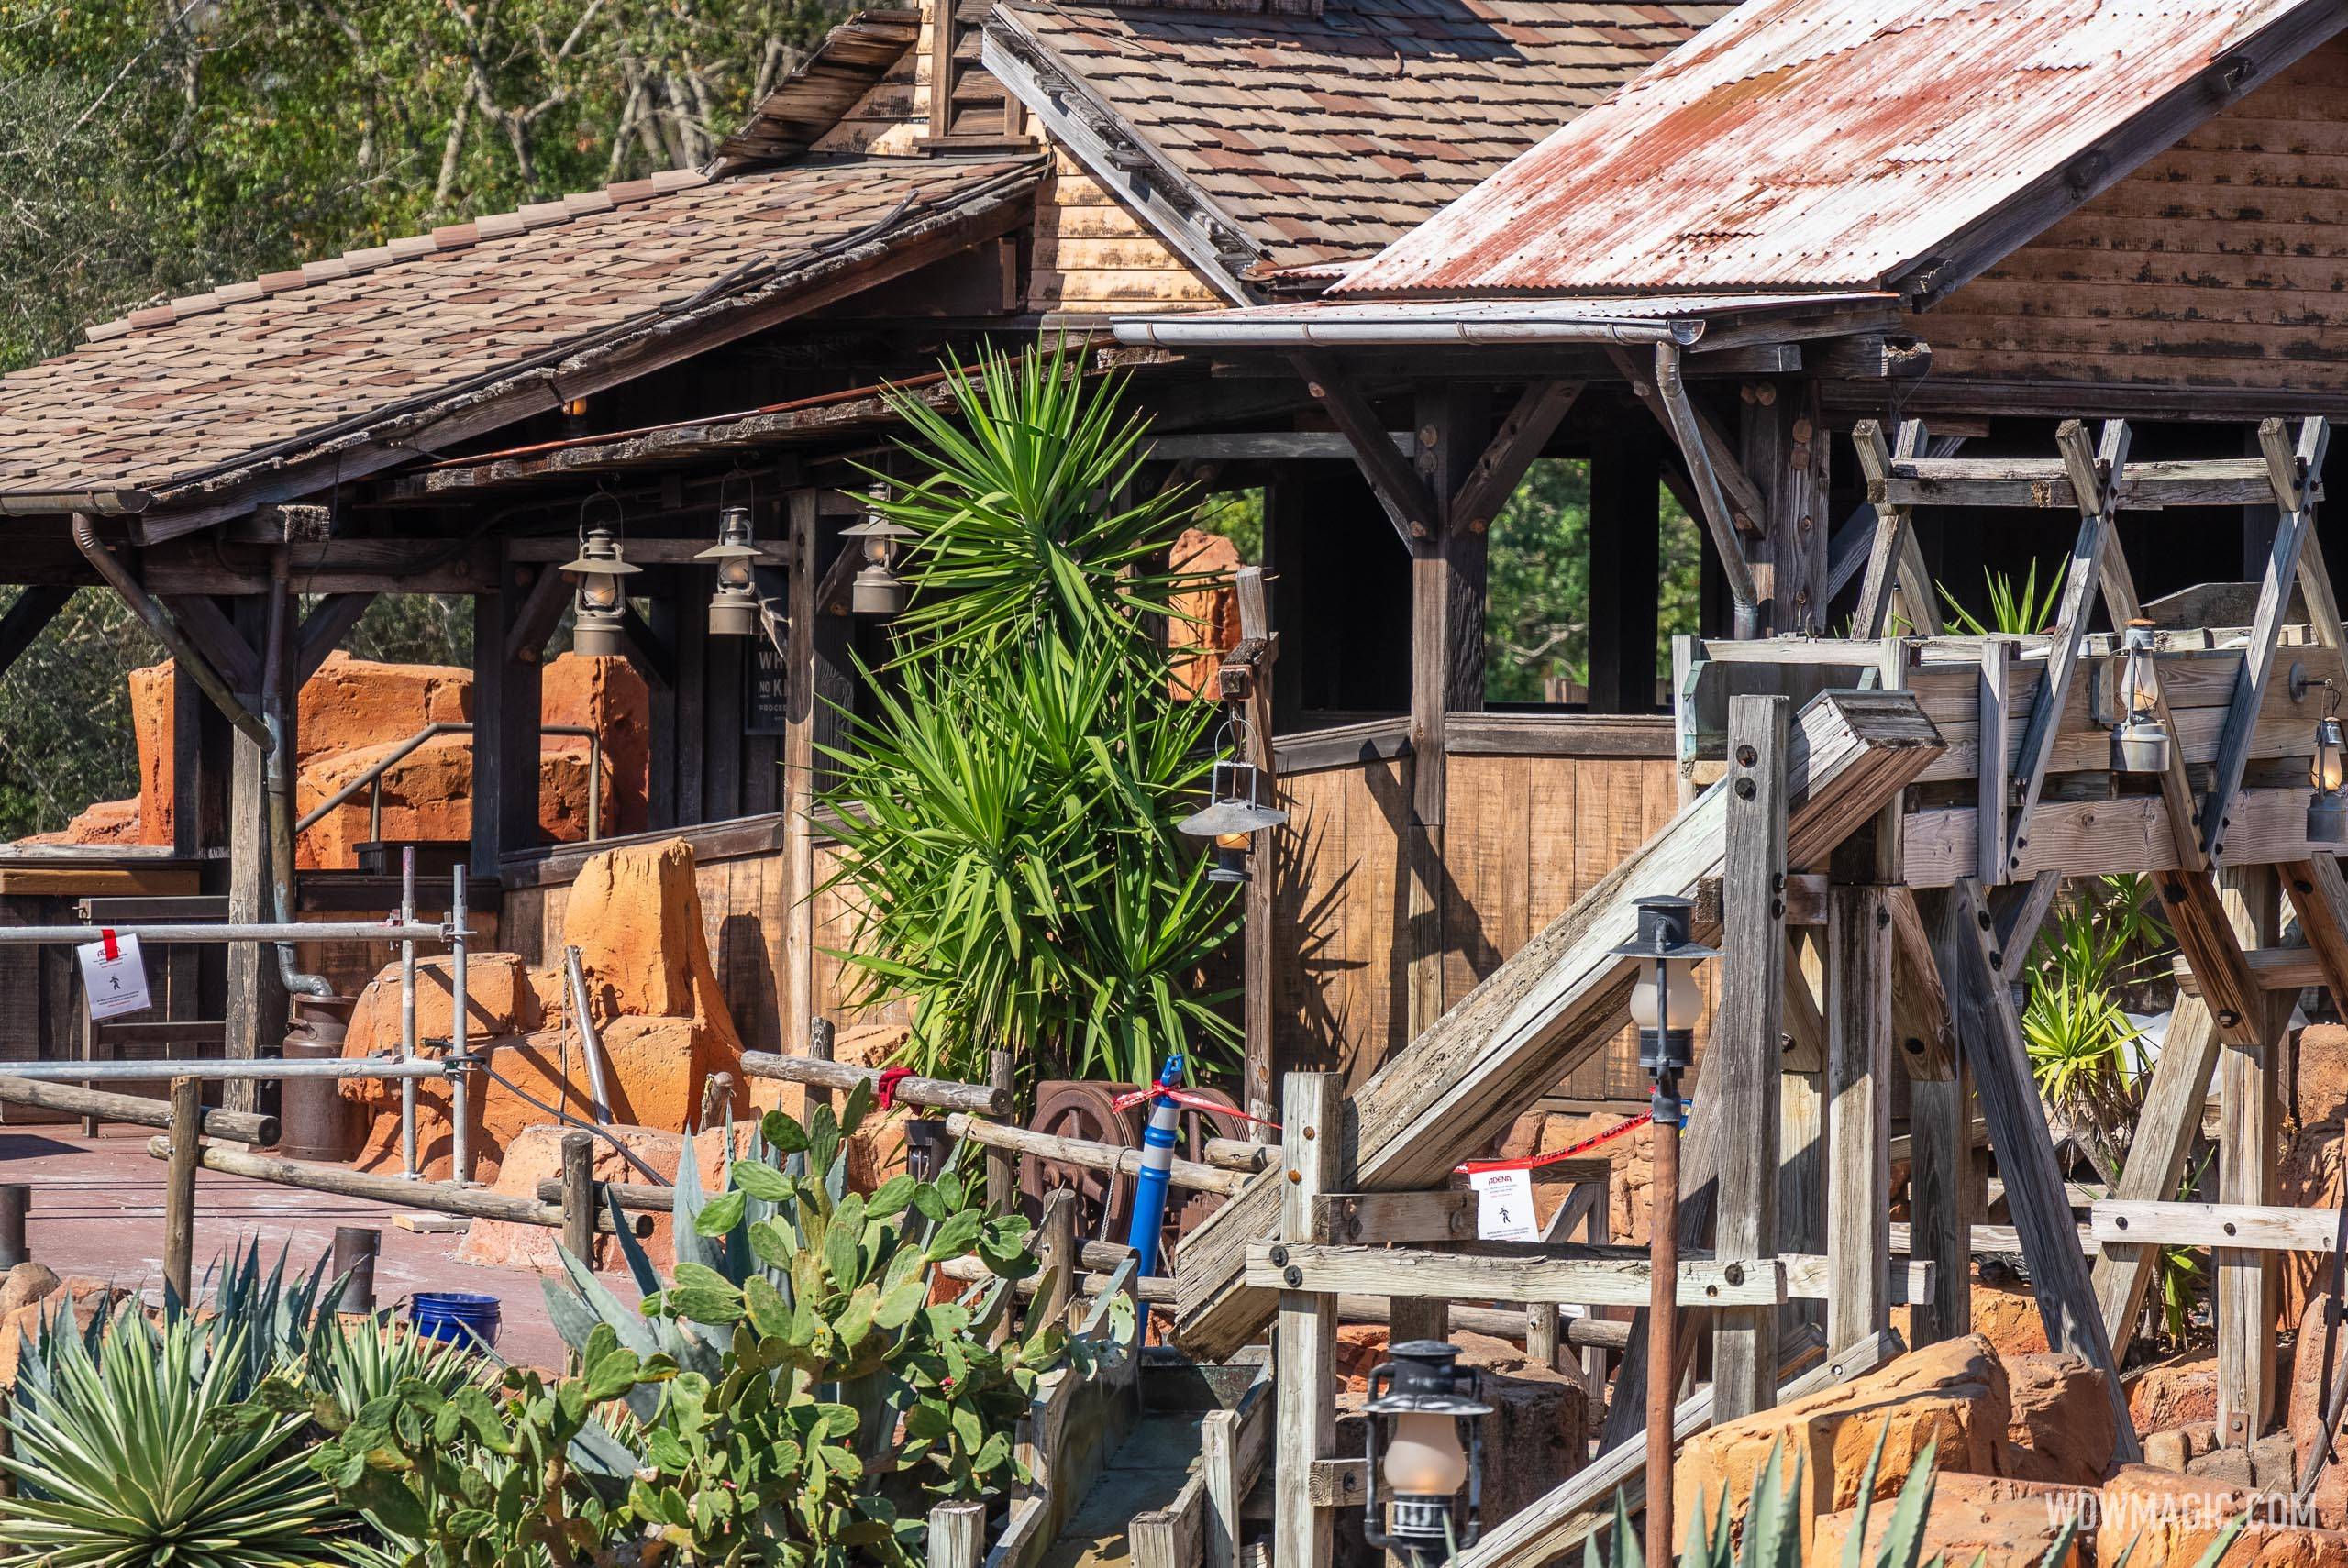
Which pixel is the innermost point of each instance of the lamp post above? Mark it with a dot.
(2139, 742)
(595, 573)
(1664, 991)
(1427, 1401)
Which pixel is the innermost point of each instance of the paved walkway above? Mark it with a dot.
(97, 1210)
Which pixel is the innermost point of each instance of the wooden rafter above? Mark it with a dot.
(1409, 505)
(324, 628)
(1513, 447)
(1895, 562)
(2080, 576)
(2293, 475)
(28, 614)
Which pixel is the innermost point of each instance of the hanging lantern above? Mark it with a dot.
(734, 605)
(2139, 742)
(2328, 776)
(601, 564)
(1235, 812)
(1664, 1002)
(878, 590)
(1425, 1419)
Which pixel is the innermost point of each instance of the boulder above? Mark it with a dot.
(1205, 622)
(635, 915)
(2178, 1393)
(2009, 1318)
(1985, 1521)
(428, 795)
(2061, 1428)
(606, 694)
(2319, 1087)
(352, 704)
(87, 1298)
(151, 726)
(2308, 1177)
(2164, 1521)
(1951, 1395)
(106, 822)
(535, 1154)
(27, 1282)
(655, 1068)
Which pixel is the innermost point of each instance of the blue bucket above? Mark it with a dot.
(455, 1315)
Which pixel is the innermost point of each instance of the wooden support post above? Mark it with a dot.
(1055, 1250)
(1801, 1119)
(1995, 790)
(799, 725)
(1981, 1007)
(2249, 1133)
(2081, 575)
(957, 1533)
(256, 1011)
(1741, 1066)
(1002, 1174)
(2166, 1125)
(1313, 1161)
(1625, 553)
(179, 1190)
(579, 1197)
(1859, 1078)
(1785, 454)
(1259, 969)
(821, 1035)
(1896, 593)
(505, 725)
(1233, 1445)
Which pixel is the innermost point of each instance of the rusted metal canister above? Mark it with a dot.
(355, 1247)
(15, 1199)
(313, 1118)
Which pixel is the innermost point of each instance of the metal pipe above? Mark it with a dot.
(461, 1093)
(267, 1069)
(261, 931)
(355, 1247)
(277, 782)
(408, 1166)
(1709, 500)
(1246, 330)
(1663, 1313)
(316, 813)
(590, 1045)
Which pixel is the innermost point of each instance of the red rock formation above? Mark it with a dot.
(1206, 622)
(1983, 1521)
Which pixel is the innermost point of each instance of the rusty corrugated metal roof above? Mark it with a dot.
(1332, 323)
(1814, 144)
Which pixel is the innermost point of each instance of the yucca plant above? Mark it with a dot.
(1007, 803)
(2013, 611)
(139, 1454)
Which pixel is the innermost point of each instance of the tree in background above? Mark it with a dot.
(155, 148)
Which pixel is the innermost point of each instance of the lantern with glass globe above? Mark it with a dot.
(1424, 1413)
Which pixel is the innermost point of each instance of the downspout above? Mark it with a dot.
(277, 780)
(263, 733)
(1690, 435)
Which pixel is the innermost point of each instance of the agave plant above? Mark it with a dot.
(139, 1454)
(2013, 611)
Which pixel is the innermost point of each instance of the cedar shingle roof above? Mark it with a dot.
(1326, 138)
(371, 345)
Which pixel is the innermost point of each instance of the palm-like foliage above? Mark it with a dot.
(142, 1454)
(1007, 808)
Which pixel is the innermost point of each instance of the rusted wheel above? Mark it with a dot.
(1191, 1142)
(1072, 1107)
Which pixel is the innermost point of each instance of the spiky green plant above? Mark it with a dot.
(1006, 804)
(2013, 611)
(139, 1454)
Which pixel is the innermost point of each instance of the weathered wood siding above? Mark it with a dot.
(1527, 834)
(2222, 262)
(1093, 256)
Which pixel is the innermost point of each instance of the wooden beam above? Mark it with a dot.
(1995, 782)
(1259, 977)
(2271, 968)
(2080, 579)
(1594, 1277)
(2319, 896)
(2250, 1127)
(203, 623)
(323, 629)
(1556, 999)
(29, 616)
(1982, 1008)
(1407, 502)
(2248, 1227)
(1745, 1058)
(2292, 475)
(1519, 440)
(2197, 918)
(1747, 508)
(1313, 1156)
(541, 610)
(1444, 1214)
(646, 650)
(505, 733)
(1858, 1112)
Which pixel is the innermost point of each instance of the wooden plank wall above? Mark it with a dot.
(1527, 834)
(2220, 262)
(1093, 256)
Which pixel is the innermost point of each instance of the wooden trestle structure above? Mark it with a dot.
(1884, 821)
